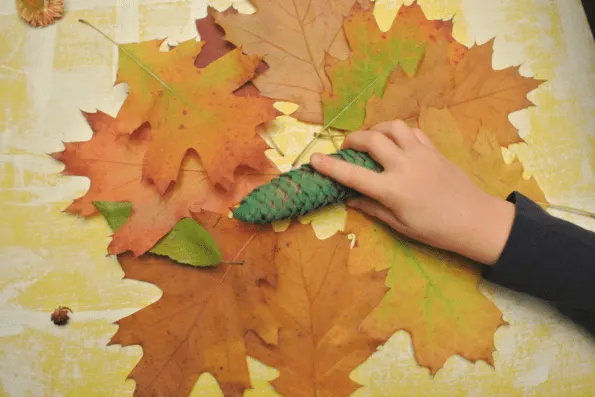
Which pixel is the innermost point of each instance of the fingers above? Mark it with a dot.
(423, 138)
(358, 178)
(377, 210)
(398, 132)
(376, 144)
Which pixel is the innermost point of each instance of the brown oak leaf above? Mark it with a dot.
(292, 304)
(199, 323)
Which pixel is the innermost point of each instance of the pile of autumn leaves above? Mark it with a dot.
(187, 143)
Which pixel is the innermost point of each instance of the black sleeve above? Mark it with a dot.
(549, 258)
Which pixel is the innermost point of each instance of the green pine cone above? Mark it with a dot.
(299, 192)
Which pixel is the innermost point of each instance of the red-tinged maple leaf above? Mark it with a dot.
(293, 38)
(374, 55)
(476, 94)
(113, 163)
(192, 108)
(292, 304)
(200, 321)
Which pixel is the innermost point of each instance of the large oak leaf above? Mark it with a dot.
(292, 304)
(113, 163)
(140, 65)
(198, 324)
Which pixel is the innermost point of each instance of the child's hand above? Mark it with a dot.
(422, 194)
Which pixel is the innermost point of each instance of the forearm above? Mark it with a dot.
(480, 232)
(547, 257)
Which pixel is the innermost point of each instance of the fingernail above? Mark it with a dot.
(316, 159)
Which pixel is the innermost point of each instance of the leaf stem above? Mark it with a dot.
(235, 261)
(329, 136)
(239, 263)
(308, 146)
(332, 138)
(275, 146)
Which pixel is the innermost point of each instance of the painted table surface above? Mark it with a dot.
(48, 258)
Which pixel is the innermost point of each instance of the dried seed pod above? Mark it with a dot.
(299, 192)
(60, 315)
(40, 13)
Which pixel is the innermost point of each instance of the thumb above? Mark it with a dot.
(376, 210)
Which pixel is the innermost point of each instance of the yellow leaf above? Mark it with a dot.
(433, 296)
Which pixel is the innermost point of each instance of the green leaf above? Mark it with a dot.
(115, 213)
(187, 243)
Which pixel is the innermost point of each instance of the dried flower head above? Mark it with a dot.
(60, 315)
(40, 13)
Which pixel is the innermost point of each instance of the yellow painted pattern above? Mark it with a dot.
(49, 259)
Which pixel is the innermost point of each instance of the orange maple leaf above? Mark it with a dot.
(434, 294)
(320, 306)
(293, 38)
(192, 108)
(293, 293)
(475, 93)
(113, 163)
(143, 85)
(483, 160)
(200, 321)
(404, 97)
(373, 57)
